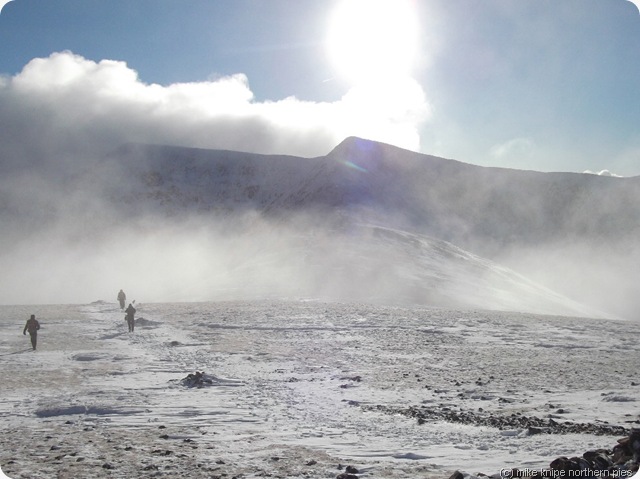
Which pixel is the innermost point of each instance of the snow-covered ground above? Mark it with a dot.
(293, 389)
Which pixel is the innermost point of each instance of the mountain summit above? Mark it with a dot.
(367, 222)
(485, 209)
(555, 228)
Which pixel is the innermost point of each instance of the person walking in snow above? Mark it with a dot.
(32, 326)
(131, 311)
(122, 298)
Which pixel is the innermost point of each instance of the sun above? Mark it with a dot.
(373, 40)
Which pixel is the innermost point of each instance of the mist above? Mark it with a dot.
(88, 206)
(152, 259)
(81, 238)
(215, 258)
(72, 229)
(603, 275)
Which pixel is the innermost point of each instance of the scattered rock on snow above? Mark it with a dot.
(200, 379)
(349, 472)
(534, 425)
(623, 460)
(197, 380)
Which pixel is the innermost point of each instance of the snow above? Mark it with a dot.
(293, 385)
(401, 228)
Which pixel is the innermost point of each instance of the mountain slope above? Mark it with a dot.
(483, 209)
(506, 216)
(388, 266)
(490, 208)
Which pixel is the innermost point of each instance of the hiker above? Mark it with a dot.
(122, 298)
(130, 317)
(32, 326)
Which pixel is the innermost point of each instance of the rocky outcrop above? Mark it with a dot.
(197, 380)
(532, 424)
(621, 461)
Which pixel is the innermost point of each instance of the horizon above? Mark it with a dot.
(499, 84)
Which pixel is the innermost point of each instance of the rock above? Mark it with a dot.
(618, 462)
(457, 475)
(197, 380)
(582, 463)
(634, 442)
(560, 464)
(602, 462)
(621, 453)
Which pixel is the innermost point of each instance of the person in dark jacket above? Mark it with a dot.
(122, 298)
(32, 326)
(131, 311)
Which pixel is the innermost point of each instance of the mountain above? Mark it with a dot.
(483, 209)
(568, 232)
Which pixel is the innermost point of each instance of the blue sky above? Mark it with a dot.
(548, 85)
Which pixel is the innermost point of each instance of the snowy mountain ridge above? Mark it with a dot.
(486, 212)
(367, 222)
(480, 208)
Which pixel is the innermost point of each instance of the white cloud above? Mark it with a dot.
(627, 159)
(66, 103)
(602, 173)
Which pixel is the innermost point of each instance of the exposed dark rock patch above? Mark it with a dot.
(197, 380)
(533, 425)
(621, 461)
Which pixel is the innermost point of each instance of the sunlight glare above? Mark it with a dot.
(372, 40)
